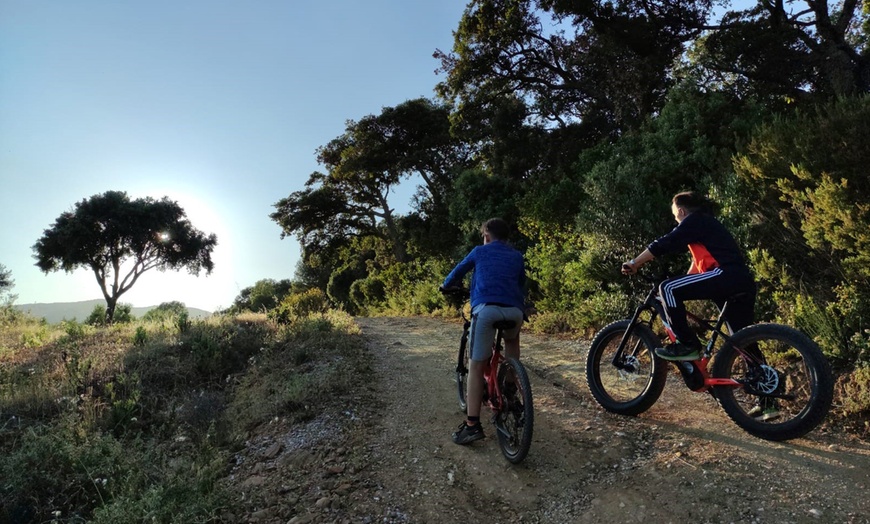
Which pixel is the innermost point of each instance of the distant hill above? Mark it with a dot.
(58, 311)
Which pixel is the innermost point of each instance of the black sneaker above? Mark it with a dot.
(468, 434)
(678, 351)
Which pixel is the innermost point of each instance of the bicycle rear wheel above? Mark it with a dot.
(462, 377)
(634, 383)
(516, 420)
(787, 382)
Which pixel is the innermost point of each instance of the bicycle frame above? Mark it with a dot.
(492, 392)
(653, 305)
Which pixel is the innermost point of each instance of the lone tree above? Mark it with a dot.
(6, 282)
(119, 239)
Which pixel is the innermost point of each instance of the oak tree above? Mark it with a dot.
(363, 167)
(119, 239)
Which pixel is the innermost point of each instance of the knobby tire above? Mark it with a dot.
(794, 363)
(516, 420)
(626, 392)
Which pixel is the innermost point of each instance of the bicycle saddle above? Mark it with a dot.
(736, 296)
(505, 324)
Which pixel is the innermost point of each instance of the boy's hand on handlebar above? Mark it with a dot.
(629, 268)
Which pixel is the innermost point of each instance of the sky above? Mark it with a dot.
(216, 104)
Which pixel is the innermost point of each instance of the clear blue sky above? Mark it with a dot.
(216, 104)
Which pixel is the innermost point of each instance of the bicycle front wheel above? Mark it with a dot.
(462, 377)
(516, 420)
(633, 383)
(787, 385)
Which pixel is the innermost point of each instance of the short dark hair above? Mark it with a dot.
(497, 228)
(694, 201)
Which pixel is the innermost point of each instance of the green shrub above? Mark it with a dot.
(182, 321)
(123, 394)
(856, 392)
(368, 293)
(300, 305)
(141, 336)
(412, 288)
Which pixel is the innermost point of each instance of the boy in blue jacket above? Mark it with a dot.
(497, 293)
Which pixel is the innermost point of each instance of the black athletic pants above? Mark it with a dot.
(716, 285)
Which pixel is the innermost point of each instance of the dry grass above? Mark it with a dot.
(118, 423)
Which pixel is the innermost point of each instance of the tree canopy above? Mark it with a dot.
(6, 282)
(576, 122)
(119, 239)
(364, 165)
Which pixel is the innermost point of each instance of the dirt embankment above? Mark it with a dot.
(385, 455)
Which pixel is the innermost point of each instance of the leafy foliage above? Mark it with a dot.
(6, 282)
(166, 310)
(263, 296)
(801, 51)
(586, 61)
(808, 199)
(300, 305)
(363, 166)
(123, 315)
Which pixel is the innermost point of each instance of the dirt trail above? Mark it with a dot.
(683, 461)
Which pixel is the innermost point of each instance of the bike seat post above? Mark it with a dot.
(720, 321)
(500, 326)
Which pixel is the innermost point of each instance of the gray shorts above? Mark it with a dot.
(483, 316)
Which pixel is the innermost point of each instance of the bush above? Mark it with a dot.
(123, 315)
(412, 288)
(368, 294)
(300, 305)
(856, 392)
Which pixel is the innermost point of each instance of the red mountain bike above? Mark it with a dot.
(761, 366)
(507, 390)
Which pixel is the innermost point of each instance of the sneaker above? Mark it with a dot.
(765, 409)
(678, 351)
(468, 434)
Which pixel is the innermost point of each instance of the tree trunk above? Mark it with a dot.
(111, 303)
(393, 231)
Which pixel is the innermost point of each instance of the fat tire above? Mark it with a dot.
(603, 345)
(818, 372)
(515, 452)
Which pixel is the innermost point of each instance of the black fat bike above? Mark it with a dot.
(772, 380)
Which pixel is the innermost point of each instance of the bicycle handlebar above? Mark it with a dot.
(647, 277)
(455, 291)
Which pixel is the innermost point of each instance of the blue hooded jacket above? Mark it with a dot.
(499, 275)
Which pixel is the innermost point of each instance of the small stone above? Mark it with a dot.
(323, 502)
(816, 513)
(263, 514)
(273, 450)
(254, 482)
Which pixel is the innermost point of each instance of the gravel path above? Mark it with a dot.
(683, 461)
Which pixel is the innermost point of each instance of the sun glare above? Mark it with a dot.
(203, 291)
